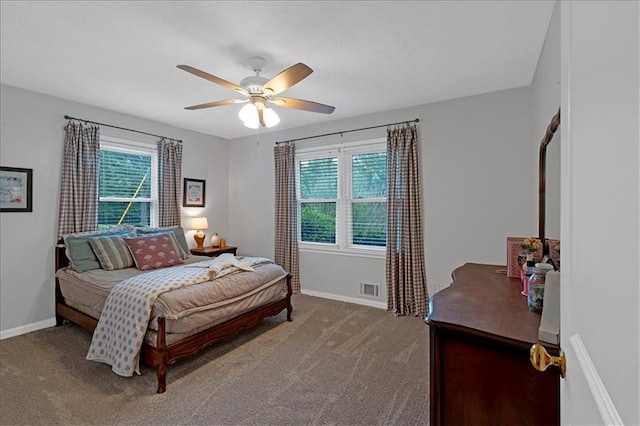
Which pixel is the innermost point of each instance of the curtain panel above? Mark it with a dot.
(405, 265)
(78, 208)
(286, 221)
(169, 181)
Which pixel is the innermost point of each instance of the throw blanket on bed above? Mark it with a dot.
(123, 323)
(223, 264)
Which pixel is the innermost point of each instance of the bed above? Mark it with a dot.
(184, 320)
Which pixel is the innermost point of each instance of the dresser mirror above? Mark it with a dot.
(542, 178)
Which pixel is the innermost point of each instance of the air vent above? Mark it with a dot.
(370, 290)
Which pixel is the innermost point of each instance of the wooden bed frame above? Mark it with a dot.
(160, 356)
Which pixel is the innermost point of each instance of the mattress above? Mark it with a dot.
(187, 310)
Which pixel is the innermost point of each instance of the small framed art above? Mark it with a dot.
(554, 252)
(193, 193)
(16, 189)
(517, 250)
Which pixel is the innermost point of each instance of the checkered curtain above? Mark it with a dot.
(169, 180)
(286, 226)
(405, 266)
(78, 209)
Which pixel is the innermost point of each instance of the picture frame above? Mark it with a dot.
(554, 252)
(16, 190)
(517, 254)
(193, 192)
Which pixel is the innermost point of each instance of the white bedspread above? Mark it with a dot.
(120, 332)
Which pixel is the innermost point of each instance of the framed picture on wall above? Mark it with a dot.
(193, 193)
(16, 189)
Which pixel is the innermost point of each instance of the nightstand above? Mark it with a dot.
(214, 251)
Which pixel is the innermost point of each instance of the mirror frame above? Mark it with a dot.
(542, 171)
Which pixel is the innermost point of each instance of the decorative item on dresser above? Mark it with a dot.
(481, 335)
(213, 251)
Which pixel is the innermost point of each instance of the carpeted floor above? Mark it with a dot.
(336, 363)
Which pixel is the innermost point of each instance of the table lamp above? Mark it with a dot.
(199, 224)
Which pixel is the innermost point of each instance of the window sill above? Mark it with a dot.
(355, 252)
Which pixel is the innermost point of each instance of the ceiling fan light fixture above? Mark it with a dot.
(270, 117)
(252, 124)
(254, 83)
(248, 112)
(249, 116)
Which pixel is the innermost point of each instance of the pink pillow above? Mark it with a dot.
(153, 251)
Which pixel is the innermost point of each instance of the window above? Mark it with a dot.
(341, 194)
(368, 200)
(128, 184)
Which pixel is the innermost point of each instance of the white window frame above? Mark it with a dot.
(109, 143)
(344, 153)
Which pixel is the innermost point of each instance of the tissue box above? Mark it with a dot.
(549, 330)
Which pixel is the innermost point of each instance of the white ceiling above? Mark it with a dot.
(367, 56)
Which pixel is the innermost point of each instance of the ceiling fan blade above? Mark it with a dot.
(217, 103)
(286, 79)
(303, 105)
(214, 79)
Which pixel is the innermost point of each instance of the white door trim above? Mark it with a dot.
(600, 395)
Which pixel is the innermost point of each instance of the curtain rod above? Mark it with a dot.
(121, 128)
(349, 131)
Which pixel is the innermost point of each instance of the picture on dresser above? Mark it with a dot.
(517, 250)
(554, 252)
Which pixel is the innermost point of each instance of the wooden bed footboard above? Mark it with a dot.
(162, 355)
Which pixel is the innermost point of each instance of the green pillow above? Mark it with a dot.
(78, 249)
(112, 251)
(177, 231)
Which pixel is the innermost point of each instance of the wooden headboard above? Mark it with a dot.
(61, 259)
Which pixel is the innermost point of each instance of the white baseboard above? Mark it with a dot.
(373, 304)
(52, 321)
(603, 401)
(24, 329)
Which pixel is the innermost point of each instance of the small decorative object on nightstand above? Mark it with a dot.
(199, 224)
(213, 251)
(215, 240)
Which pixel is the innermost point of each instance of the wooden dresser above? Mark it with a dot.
(481, 331)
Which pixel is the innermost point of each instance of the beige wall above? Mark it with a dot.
(32, 136)
(477, 184)
(545, 94)
(477, 168)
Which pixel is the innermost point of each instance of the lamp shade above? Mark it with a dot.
(249, 116)
(270, 117)
(248, 112)
(199, 223)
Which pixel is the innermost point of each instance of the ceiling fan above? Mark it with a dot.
(259, 92)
